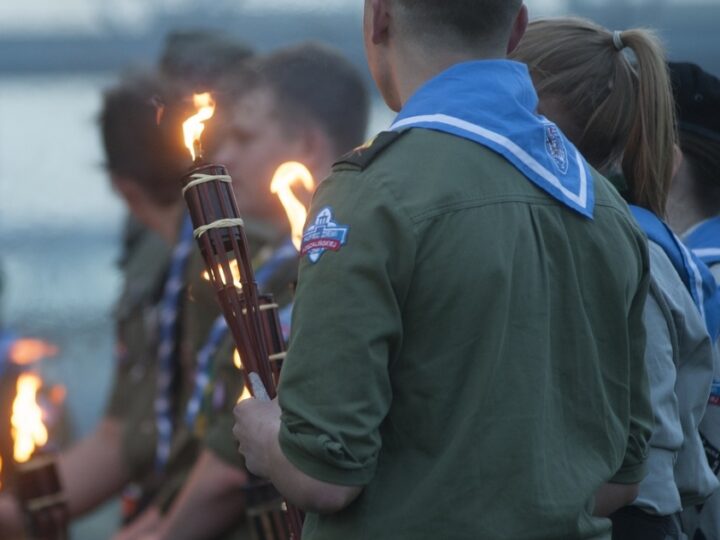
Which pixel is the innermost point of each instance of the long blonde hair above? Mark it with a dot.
(622, 112)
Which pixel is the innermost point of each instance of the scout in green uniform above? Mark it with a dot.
(635, 119)
(466, 358)
(292, 110)
(143, 167)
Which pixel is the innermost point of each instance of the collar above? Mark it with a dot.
(493, 103)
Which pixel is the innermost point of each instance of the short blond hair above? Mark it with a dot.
(623, 110)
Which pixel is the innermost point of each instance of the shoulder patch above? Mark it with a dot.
(364, 155)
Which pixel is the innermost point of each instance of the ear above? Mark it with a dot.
(678, 158)
(518, 29)
(380, 20)
(318, 153)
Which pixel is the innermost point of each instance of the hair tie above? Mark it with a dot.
(617, 40)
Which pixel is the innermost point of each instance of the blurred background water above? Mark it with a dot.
(59, 220)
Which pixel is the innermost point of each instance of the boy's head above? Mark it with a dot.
(144, 157)
(304, 103)
(441, 31)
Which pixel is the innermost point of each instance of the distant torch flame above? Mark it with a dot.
(287, 175)
(238, 364)
(234, 270)
(25, 352)
(195, 125)
(28, 430)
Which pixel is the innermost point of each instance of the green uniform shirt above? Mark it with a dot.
(472, 356)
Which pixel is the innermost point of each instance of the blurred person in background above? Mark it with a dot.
(145, 161)
(694, 205)
(307, 104)
(693, 211)
(143, 169)
(620, 115)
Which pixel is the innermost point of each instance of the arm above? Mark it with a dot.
(612, 497)
(210, 502)
(94, 470)
(322, 447)
(257, 429)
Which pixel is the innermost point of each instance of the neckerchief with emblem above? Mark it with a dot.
(694, 273)
(704, 240)
(168, 346)
(493, 103)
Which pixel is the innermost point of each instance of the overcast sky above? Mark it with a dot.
(89, 15)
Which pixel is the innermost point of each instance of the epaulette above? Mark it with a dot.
(364, 155)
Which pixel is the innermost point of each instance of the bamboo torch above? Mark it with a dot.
(220, 233)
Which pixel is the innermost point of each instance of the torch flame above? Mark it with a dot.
(28, 430)
(194, 126)
(25, 352)
(234, 270)
(287, 175)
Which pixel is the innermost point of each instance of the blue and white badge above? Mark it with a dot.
(323, 235)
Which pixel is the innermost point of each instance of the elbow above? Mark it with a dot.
(329, 499)
(630, 494)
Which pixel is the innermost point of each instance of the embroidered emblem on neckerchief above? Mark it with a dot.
(555, 146)
(323, 235)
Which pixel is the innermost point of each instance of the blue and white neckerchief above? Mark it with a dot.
(704, 240)
(168, 346)
(493, 103)
(282, 255)
(694, 273)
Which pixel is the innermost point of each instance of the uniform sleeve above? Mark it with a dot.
(335, 389)
(633, 468)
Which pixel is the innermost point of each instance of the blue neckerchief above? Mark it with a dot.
(286, 252)
(694, 273)
(704, 240)
(493, 103)
(167, 346)
(6, 342)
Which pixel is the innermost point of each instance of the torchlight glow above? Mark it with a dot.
(25, 352)
(28, 430)
(234, 270)
(194, 126)
(288, 175)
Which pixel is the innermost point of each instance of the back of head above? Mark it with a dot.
(459, 24)
(697, 95)
(137, 145)
(314, 83)
(618, 112)
(199, 58)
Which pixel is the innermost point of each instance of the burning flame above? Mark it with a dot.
(234, 270)
(287, 175)
(237, 360)
(194, 126)
(28, 430)
(25, 352)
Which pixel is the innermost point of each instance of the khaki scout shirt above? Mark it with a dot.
(472, 356)
(198, 309)
(134, 386)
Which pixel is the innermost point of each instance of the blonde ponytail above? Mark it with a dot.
(618, 113)
(648, 157)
